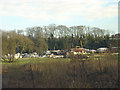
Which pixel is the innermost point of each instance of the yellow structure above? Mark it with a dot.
(77, 46)
(81, 45)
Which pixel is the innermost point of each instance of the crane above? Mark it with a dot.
(81, 44)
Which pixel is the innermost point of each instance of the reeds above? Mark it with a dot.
(101, 73)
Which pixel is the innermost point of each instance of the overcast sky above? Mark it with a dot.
(20, 14)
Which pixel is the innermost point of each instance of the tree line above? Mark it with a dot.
(38, 39)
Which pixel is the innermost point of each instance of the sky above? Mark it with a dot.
(20, 14)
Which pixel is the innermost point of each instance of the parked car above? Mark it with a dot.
(102, 49)
(58, 56)
(92, 51)
(26, 55)
(43, 56)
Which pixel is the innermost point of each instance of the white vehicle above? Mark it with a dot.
(102, 49)
(43, 56)
(92, 51)
(48, 52)
(16, 56)
(34, 53)
(58, 56)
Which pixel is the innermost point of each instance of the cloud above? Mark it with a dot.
(59, 10)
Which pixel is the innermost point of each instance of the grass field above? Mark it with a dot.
(99, 71)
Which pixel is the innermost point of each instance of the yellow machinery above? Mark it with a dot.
(81, 45)
(77, 46)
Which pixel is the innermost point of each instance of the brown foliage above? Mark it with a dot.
(102, 73)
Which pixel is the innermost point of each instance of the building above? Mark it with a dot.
(78, 51)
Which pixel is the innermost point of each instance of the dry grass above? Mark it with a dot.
(101, 73)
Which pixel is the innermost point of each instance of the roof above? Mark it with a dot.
(78, 49)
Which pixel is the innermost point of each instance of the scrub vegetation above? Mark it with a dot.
(94, 72)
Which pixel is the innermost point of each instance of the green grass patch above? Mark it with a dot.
(23, 61)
